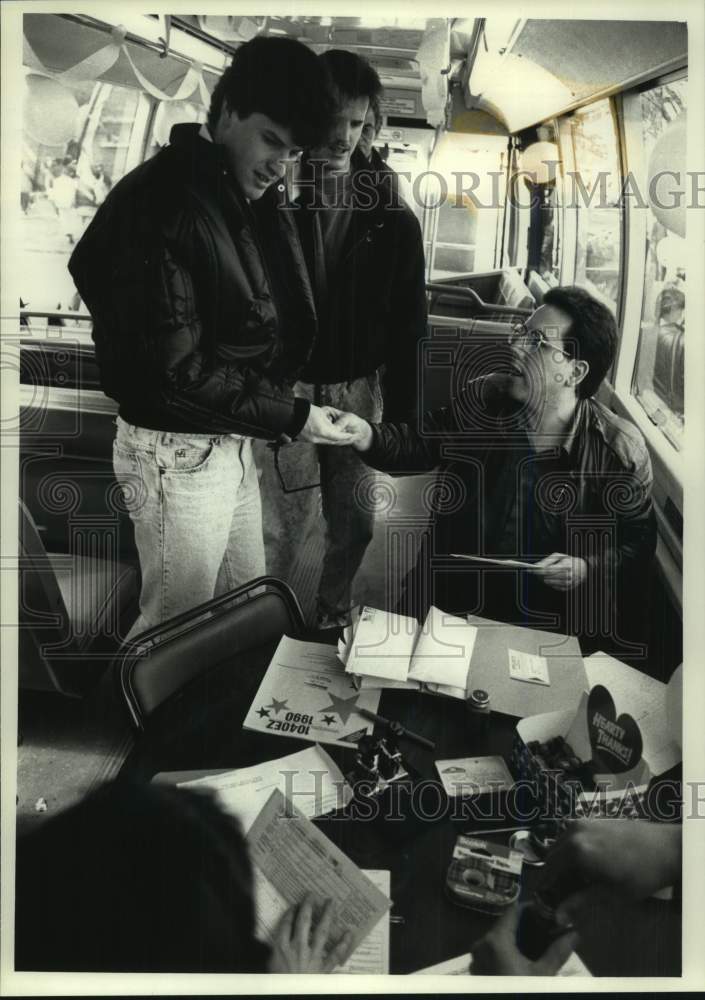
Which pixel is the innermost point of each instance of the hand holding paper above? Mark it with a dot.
(299, 942)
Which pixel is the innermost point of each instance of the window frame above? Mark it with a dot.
(666, 456)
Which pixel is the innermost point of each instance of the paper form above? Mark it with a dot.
(294, 858)
(382, 645)
(310, 779)
(443, 650)
(528, 667)
(371, 957)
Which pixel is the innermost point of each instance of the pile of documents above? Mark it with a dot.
(381, 650)
(524, 671)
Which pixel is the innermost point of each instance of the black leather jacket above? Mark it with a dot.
(375, 313)
(196, 329)
(601, 500)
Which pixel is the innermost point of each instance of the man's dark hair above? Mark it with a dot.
(592, 336)
(376, 108)
(136, 878)
(351, 75)
(280, 78)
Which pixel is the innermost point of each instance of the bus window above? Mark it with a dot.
(659, 369)
(168, 114)
(551, 244)
(454, 249)
(64, 184)
(464, 190)
(595, 194)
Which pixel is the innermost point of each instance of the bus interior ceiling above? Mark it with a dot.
(468, 105)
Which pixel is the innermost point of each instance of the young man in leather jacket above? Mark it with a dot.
(540, 472)
(203, 317)
(364, 252)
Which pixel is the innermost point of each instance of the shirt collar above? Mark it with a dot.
(205, 133)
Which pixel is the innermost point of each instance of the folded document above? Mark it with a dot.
(388, 650)
(525, 671)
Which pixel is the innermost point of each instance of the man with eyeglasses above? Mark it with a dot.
(545, 474)
(203, 317)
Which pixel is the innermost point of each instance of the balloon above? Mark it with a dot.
(50, 111)
(541, 159)
(667, 196)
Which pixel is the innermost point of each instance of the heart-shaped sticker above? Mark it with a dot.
(616, 742)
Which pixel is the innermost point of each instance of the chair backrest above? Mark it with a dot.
(158, 663)
(43, 619)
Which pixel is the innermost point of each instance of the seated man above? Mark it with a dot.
(544, 474)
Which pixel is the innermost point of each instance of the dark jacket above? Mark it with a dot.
(375, 309)
(195, 328)
(600, 500)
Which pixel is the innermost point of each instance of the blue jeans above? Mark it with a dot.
(349, 522)
(194, 502)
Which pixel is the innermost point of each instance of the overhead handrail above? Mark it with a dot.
(471, 295)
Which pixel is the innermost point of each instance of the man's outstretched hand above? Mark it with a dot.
(359, 430)
(324, 427)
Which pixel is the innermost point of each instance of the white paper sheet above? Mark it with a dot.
(291, 858)
(528, 667)
(443, 650)
(310, 779)
(461, 966)
(382, 645)
(306, 694)
(474, 775)
(371, 957)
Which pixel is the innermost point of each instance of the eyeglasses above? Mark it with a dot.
(531, 340)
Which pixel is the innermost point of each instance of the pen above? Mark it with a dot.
(396, 728)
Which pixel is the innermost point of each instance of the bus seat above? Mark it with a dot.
(73, 611)
(538, 286)
(454, 353)
(236, 628)
(513, 292)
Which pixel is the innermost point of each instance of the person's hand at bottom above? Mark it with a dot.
(299, 946)
(497, 954)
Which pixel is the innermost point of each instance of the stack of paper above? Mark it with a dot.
(310, 779)
(382, 649)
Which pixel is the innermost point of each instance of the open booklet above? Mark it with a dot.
(382, 649)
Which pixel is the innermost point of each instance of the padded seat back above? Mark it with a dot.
(72, 612)
(160, 662)
(42, 616)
